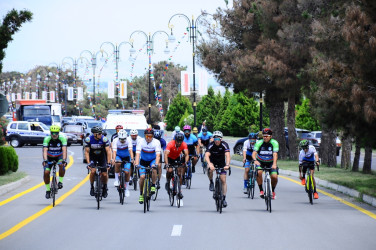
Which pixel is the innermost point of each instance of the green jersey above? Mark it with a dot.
(55, 147)
(265, 150)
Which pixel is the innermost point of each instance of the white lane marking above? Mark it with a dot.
(71, 152)
(164, 175)
(176, 230)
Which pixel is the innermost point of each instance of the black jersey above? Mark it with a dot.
(217, 153)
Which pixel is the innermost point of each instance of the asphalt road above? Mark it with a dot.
(29, 222)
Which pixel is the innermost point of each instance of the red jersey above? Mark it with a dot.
(174, 151)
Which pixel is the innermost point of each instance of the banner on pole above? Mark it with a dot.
(33, 95)
(111, 90)
(13, 97)
(27, 95)
(52, 96)
(185, 84)
(19, 96)
(80, 94)
(123, 89)
(44, 95)
(203, 83)
(70, 93)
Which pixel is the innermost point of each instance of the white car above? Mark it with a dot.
(317, 136)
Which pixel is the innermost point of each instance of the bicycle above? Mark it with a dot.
(218, 192)
(98, 192)
(121, 187)
(268, 189)
(252, 179)
(53, 185)
(174, 188)
(146, 192)
(187, 178)
(135, 176)
(309, 186)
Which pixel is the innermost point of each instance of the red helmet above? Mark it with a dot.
(149, 131)
(267, 131)
(119, 127)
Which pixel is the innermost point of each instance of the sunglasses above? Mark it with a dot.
(217, 139)
(266, 136)
(97, 133)
(54, 133)
(148, 136)
(187, 131)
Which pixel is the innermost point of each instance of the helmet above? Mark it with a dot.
(157, 134)
(122, 134)
(96, 129)
(303, 144)
(204, 130)
(119, 127)
(217, 134)
(252, 136)
(195, 130)
(179, 137)
(149, 131)
(55, 128)
(187, 127)
(156, 127)
(267, 131)
(177, 129)
(134, 132)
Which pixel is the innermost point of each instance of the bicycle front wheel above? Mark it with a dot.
(53, 190)
(269, 194)
(178, 190)
(148, 194)
(145, 193)
(253, 183)
(99, 190)
(310, 189)
(220, 197)
(171, 191)
(156, 190)
(121, 188)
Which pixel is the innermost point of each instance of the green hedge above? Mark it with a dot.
(9, 160)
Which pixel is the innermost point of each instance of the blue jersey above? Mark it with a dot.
(148, 151)
(191, 142)
(97, 147)
(163, 143)
(122, 149)
(206, 137)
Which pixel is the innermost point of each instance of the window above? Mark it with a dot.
(13, 126)
(23, 126)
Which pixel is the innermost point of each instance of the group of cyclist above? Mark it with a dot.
(184, 149)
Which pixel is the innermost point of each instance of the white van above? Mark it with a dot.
(129, 119)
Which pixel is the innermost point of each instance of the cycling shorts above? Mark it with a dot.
(146, 164)
(48, 166)
(308, 164)
(177, 161)
(102, 165)
(127, 166)
(248, 163)
(267, 165)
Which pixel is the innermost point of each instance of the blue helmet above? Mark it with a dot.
(252, 136)
(157, 134)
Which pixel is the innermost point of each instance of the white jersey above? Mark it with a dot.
(147, 150)
(248, 147)
(309, 156)
(117, 145)
(134, 142)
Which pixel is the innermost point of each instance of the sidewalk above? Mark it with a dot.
(345, 190)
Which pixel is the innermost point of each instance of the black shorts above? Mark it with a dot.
(177, 161)
(308, 164)
(102, 164)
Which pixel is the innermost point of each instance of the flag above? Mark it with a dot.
(44, 95)
(111, 90)
(52, 96)
(203, 83)
(185, 84)
(70, 94)
(80, 94)
(123, 90)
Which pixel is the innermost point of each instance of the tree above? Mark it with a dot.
(178, 107)
(305, 117)
(11, 23)
(207, 108)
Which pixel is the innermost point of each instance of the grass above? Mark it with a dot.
(363, 183)
(11, 177)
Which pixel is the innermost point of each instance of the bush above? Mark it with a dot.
(9, 160)
(3, 125)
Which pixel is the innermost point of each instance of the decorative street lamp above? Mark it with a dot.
(74, 63)
(192, 24)
(93, 58)
(150, 48)
(116, 49)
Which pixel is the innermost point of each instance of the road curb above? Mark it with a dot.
(11, 186)
(345, 190)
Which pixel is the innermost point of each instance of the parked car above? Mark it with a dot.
(77, 130)
(88, 125)
(317, 136)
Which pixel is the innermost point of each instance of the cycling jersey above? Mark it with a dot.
(217, 153)
(113, 137)
(134, 142)
(122, 149)
(205, 139)
(247, 146)
(55, 147)
(163, 143)
(191, 143)
(307, 156)
(148, 151)
(174, 151)
(265, 150)
(97, 148)
(174, 133)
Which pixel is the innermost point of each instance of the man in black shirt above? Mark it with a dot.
(218, 156)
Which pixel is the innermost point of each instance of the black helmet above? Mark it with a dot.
(204, 130)
(179, 137)
(97, 129)
(149, 131)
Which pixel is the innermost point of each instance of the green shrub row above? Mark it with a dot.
(8, 160)
(3, 125)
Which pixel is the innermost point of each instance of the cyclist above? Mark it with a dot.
(120, 148)
(148, 152)
(158, 136)
(176, 130)
(173, 156)
(134, 139)
(265, 154)
(195, 131)
(307, 158)
(218, 154)
(204, 137)
(54, 148)
(97, 149)
(118, 128)
(192, 144)
(247, 156)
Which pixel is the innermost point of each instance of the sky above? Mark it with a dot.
(65, 28)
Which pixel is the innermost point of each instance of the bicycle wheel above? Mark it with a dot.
(249, 184)
(53, 190)
(266, 194)
(269, 195)
(156, 190)
(135, 178)
(204, 167)
(216, 194)
(99, 190)
(178, 190)
(171, 191)
(310, 189)
(189, 177)
(145, 192)
(220, 197)
(253, 184)
(149, 194)
(121, 188)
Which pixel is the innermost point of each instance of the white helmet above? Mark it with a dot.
(134, 132)
(177, 129)
(122, 134)
(217, 134)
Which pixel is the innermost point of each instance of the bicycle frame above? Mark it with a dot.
(175, 186)
(268, 189)
(121, 187)
(146, 191)
(53, 185)
(251, 182)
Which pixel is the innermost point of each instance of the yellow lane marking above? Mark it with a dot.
(43, 211)
(370, 214)
(71, 161)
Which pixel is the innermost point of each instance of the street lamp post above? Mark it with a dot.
(192, 24)
(93, 57)
(74, 62)
(149, 42)
(116, 49)
(58, 68)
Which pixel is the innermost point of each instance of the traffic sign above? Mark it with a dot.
(4, 106)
